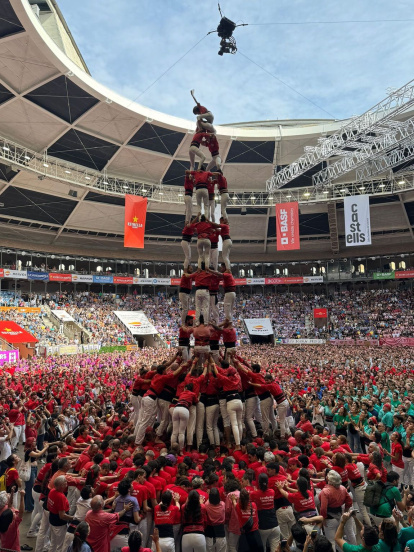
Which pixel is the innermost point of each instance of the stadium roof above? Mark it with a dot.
(50, 104)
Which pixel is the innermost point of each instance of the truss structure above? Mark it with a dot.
(402, 154)
(351, 132)
(389, 135)
(20, 158)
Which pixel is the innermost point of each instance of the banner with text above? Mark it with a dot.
(82, 278)
(57, 277)
(259, 326)
(18, 274)
(404, 274)
(384, 275)
(41, 276)
(320, 313)
(287, 226)
(135, 216)
(357, 220)
(9, 356)
(136, 322)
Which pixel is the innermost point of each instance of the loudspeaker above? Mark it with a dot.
(73, 193)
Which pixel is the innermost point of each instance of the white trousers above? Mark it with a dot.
(268, 414)
(167, 544)
(215, 162)
(17, 432)
(193, 542)
(286, 519)
(164, 413)
(251, 405)
(36, 514)
(219, 546)
(200, 416)
(271, 536)
(408, 475)
(331, 525)
(224, 200)
(143, 527)
(232, 542)
(57, 537)
(202, 200)
(229, 300)
(212, 416)
(224, 413)
(43, 538)
(188, 202)
(186, 246)
(185, 303)
(135, 405)
(235, 411)
(147, 417)
(119, 541)
(282, 412)
(180, 421)
(214, 312)
(202, 304)
(184, 352)
(226, 253)
(359, 493)
(203, 249)
(211, 210)
(214, 255)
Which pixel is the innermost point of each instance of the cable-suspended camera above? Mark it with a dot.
(225, 31)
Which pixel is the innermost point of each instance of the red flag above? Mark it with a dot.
(320, 313)
(287, 226)
(135, 215)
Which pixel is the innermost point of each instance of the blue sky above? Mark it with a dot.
(343, 69)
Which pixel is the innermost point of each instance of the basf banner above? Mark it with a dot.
(135, 216)
(357, 220)
(259, 326)
(136, 322)
(287, 226)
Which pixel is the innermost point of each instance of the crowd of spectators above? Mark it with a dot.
(350, 420)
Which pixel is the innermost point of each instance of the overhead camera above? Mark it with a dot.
(225, 31)
(41, 177)
(227, 46)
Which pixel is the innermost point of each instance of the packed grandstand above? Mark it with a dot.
(227, 383)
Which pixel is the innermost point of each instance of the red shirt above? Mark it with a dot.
(158, 383)
(202, 279)
(263, 499)
(204, 229)
(189, 525)
(396, 449)
(373, 471)
(244, 515)
(229, 335)
(228, 281)
(140, 492)
(224, 230)
(186, 282)
(180, 491)
(300, 503)
(171, 516)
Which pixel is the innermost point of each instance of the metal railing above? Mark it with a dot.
(20, 158)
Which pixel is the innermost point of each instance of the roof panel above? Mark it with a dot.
(5, 94)
(164, 224)
(9, 23)
(26, 124)
(6, 173)
(409, 207)
(176, 173)
(63, 98)
(156, 138)
(101, 198)
(31, 205)
(251, 152)
(110, 121)
(22, 64)
(138, 164)
(86, 150)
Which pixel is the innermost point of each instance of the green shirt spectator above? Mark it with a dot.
(405, 534)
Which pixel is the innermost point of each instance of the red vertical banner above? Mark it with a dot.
(287, 226)
(135, 216)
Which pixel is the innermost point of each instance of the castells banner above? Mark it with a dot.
(9, 356)
(357, 220)
(136, 322)
(135, 217)
(259, 326)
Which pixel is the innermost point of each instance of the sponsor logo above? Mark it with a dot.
(135, 224)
